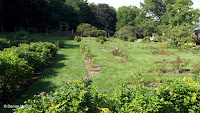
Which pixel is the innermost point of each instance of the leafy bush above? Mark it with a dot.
(125, 32)
(35, 59)
(131, 39)
(101, 39)
(96, 33)
(17, 65)
(17, 42)
(180, 96)
(22, 35)
(180, 34)
(4, 43)
(146, 39)
(14, 72)
(73, 97)
(59, 44)
(85, 28)
(79, 96)
(77, 38)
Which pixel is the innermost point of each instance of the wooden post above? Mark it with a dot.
(47, 32)
(72, 32)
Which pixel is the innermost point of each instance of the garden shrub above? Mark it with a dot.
(35, 59)
(178, 96)
(59, 44)
(96, 33)
(131, 39)
(72, 97)
(4, 43)
(77, 38)
(146, 39)
(125, 32)
(101, 39)
(17, 42)
(14, 72)
(22, 35)
(85, 28)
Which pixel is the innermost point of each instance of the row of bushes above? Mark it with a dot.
(18, 65)
(179, 96)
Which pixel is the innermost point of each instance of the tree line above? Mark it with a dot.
(154, 16)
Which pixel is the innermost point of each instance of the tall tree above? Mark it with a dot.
(105, 16)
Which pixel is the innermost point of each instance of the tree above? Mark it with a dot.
(126, 16)
(105, 17)
(125, 32)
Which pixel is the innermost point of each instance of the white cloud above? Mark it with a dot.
(119, 3)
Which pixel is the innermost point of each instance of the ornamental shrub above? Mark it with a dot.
(4, 43)
(131, 39)
(22, 35)
(35, 59)
(14, 72)
(96, 33)
(77, 38)
(59, 44)
(72, 97)
(101, 39)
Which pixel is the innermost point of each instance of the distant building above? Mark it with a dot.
(197, 33)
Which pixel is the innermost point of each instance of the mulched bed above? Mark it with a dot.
(90, 71)
(185, 71)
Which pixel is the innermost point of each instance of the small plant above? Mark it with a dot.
(77, 38)
(101, 39)
(4, 43)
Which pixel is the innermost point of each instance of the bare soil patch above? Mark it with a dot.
(91, 71)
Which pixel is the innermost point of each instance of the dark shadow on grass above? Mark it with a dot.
(67, 46)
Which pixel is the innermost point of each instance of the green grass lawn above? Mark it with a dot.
(68, 65)
(114, 72)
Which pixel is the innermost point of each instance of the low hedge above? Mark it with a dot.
(18, 65)
(178, 96)
(14, 72)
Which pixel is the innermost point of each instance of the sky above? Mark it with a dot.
(118, 3)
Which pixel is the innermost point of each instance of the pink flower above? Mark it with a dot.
(43, 93)
(25, 53)
(86, 78)
(28, 47)
(34, 58)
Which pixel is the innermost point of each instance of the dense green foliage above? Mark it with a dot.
(77, 38)
(76, 96)
(80, 96)
(96, 33)
(126, 32)
(18, 64)
(85, 29)
(101, 39)
(4, 43)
